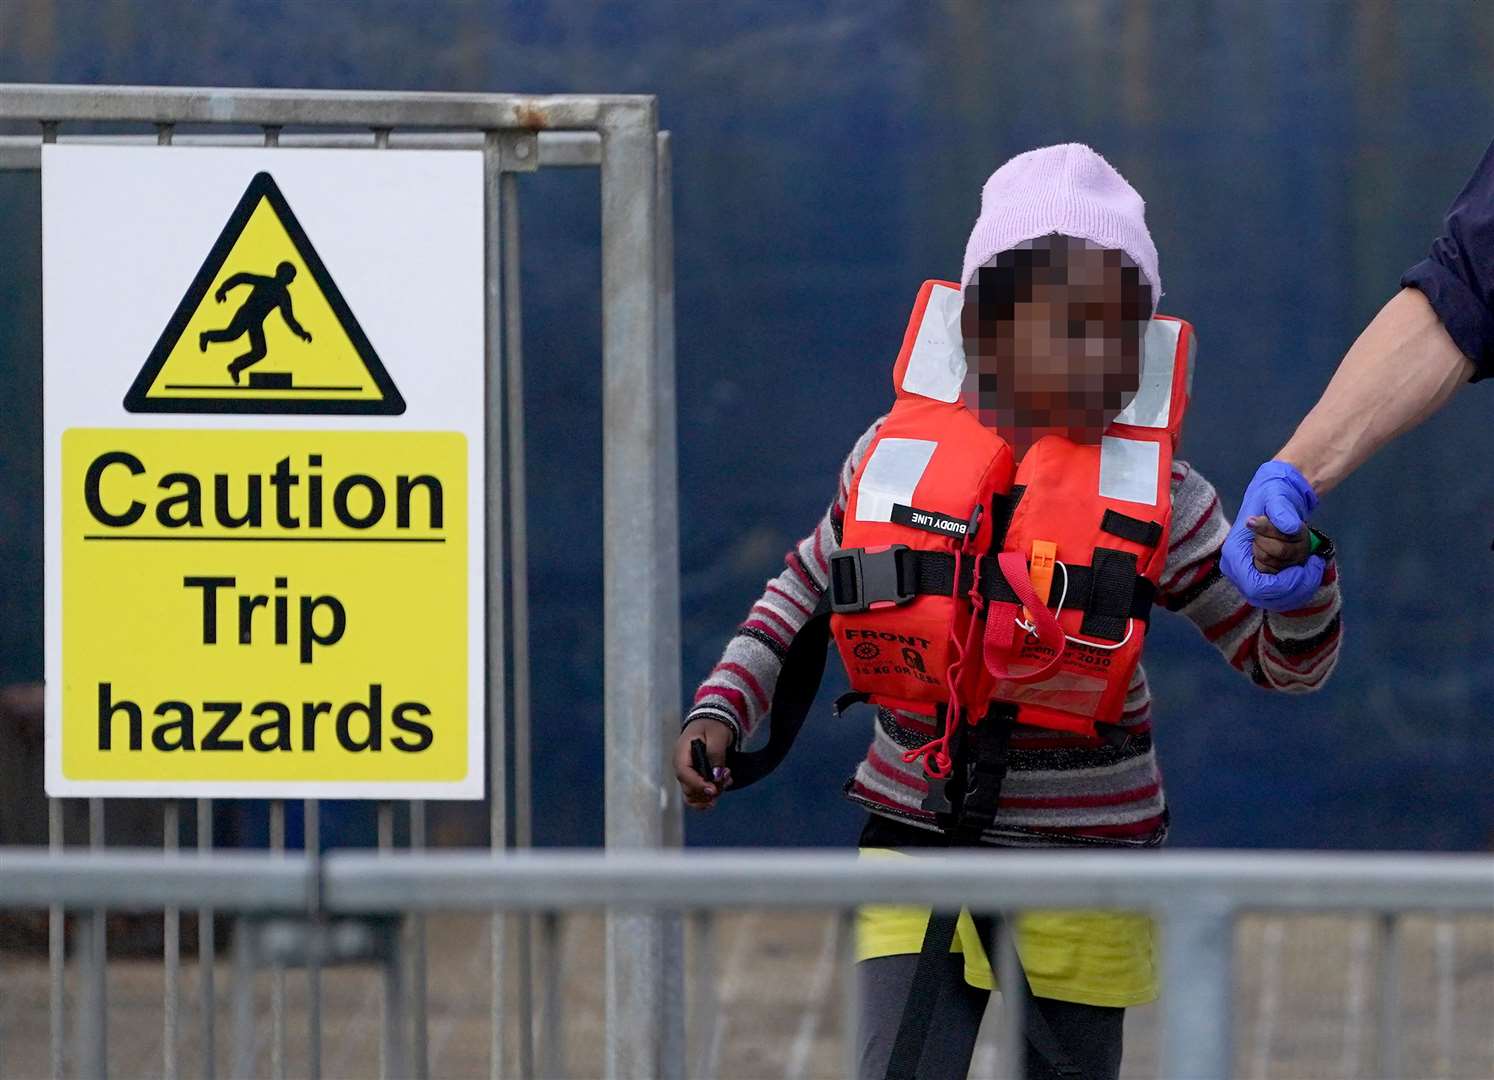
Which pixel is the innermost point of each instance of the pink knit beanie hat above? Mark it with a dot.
(1066, 189)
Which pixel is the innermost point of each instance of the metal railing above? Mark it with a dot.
(1196, 896)
(618, 134)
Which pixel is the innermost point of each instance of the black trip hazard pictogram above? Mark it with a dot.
(266, 392)
(266, 294)
(866, 651)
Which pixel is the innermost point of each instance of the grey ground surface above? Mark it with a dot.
(1306, 996)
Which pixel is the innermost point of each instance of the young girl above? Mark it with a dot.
(1059, 283)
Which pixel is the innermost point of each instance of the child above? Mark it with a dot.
(1057, 293)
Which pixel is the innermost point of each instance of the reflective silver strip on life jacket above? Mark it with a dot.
(1128, 469)
(1151, 407)
(891, 474)
(936, 366)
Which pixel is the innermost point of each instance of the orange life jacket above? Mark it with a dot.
(948, 542)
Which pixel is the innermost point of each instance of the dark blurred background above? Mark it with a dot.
(829, 154)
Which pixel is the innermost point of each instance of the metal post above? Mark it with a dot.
(277, 970)
(1006, 966)
(242, 1054)
(93, 1026)
(667, 552)
(172, 945)
(394, 1045)
(171, 917)
(277, 844)
(56, 915)
(494, 565)
(56, 952)
(631, 600)
(311, 833)
(206, 954)
(705, 992)
(386, 847)
(1198, 946)
(850, 995)
(1390, 994)
(518, 579)
(418, 1041)
(552, 973)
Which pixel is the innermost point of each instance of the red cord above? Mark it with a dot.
(937, 763)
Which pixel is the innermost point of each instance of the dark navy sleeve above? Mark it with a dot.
(1457, 277)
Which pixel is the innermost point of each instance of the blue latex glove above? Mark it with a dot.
(1280, 492)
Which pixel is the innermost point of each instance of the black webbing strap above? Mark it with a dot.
(1135, 530)
(934, 575)
(1040, 1035)
(974, 792)
(793, 695)
(1112, 588)
(923, 996)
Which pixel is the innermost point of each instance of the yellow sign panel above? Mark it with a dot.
(263, 328)
(264, 606)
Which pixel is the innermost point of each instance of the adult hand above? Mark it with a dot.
(700, 793)
(1280, 493)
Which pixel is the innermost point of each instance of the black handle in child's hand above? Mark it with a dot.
(700, 758)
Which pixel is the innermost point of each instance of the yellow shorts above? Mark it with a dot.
(1089, 957)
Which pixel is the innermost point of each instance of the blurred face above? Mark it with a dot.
(1053, 339)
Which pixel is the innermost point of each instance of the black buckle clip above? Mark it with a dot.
(874, 579)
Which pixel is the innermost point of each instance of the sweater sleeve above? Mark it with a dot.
(1291, 651)
(740, 687)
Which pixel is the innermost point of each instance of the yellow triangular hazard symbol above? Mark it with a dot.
(263, 328)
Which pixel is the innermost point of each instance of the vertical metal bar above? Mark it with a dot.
(56, 952)
(93, 1025)
(494, 567)
(630, 574)
(386, 846)
(391, 1017)
(171, 918)
(705, 992)
(242, 994)
(550, 956)
(277, 845)
(518, 583)
(418, 1020)
(277, 970)
(172, 945)
(56, 916)
(1445, 943)
(394, 1045)
(1011, 1056)
(850, 995)
(1390, 994)
(667, 641)
(312, 843)
(206, 953)
(1197, 956)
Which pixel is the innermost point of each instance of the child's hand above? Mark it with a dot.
(1273, 550)
(699, 793)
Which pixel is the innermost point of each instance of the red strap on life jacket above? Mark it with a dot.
(1001, 623)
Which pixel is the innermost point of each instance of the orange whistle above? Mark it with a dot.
(1044, 555)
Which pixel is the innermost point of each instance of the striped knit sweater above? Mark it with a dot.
(1060, 788)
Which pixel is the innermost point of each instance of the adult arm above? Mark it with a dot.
(1435, 334)
(1402, 369)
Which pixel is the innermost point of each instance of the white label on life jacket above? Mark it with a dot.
(891, 474)
(1153, 401)
(1128, 469)
(936, 366)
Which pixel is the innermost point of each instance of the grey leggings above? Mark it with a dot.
(1090, 1034)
